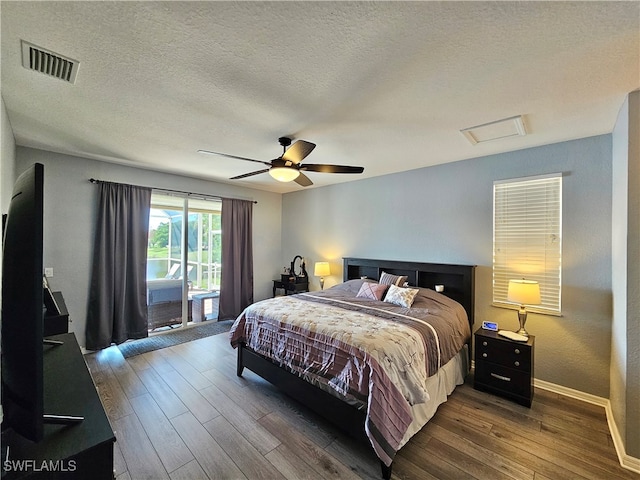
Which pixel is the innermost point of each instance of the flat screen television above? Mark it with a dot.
(23, 343)
(22, 307)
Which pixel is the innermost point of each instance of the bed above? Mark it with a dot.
(377, 369)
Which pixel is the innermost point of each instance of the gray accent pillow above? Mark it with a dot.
(388, 279)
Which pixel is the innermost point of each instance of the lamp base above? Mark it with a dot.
(522, 319)
(321, 283)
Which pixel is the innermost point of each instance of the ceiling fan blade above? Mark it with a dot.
(303, 180)
(331, 168)
(207, 152)
(298, 151)
(249, 174)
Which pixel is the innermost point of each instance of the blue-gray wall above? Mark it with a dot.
(444, 214)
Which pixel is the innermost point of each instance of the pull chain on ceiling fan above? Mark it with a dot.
(288, 167)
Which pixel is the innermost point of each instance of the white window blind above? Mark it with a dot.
(527, 238)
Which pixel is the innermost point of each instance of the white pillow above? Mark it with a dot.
(401, 296)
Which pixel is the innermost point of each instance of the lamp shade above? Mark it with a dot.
(524, 292)
(321, 269)
(284, 174)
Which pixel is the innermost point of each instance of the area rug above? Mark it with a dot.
(176, 337)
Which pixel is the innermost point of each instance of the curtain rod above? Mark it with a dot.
(93, 180)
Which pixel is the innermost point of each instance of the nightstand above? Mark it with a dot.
(504, 367)
(291, 288)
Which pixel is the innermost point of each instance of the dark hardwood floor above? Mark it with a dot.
(181, 413)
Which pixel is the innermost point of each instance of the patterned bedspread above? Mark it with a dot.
(362, 350)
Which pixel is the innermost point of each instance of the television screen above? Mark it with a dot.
(22, 307)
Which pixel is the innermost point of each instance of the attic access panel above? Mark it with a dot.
(507, 127)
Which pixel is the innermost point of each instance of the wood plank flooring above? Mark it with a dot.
(181, 413)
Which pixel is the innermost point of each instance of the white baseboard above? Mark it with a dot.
(570, 392)
(626, 461)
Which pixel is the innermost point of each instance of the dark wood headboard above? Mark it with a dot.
(458, 280)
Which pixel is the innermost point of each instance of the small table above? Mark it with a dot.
(199, 307)
(504, 367)
(291, 287)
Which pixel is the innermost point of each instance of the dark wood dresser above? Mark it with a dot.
(291, 286)
(83, 450)
(504, 367)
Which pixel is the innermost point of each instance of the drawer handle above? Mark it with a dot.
(484, 344)
(517, 364)
(517, 350)
(500, 377)
(484, 355)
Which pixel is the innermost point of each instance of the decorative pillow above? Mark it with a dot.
(350, 286)
(401, 296)
(374, 291)
(388, 279)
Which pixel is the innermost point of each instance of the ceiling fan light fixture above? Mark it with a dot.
(284, 174)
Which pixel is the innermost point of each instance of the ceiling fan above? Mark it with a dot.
(288, 167)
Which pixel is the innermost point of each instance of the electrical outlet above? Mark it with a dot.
(48, 272)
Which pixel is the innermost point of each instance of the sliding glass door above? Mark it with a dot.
(184, 261)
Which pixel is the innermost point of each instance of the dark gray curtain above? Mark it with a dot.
(118, 295)
(236, 282)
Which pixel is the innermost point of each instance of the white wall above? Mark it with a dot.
(71, 202)
(625, 341)
(618, 375)
(7, 160)
(444, 214)
(633, 284)
(7, 169)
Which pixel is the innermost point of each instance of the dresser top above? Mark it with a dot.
(491, 334)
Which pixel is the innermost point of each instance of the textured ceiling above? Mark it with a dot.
(384, 85)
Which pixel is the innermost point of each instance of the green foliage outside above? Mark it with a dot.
(159, 237)
(157, 252)
(158, 246)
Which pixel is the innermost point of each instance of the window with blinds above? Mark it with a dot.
(527, 238)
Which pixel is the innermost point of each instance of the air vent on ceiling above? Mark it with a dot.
(48, 62)
(508, 127)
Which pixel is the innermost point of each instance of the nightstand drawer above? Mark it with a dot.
(503, 379)
(504, 367)
(509, 354)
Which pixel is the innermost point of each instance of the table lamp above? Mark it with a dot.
(524, 292)
(321, 269)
